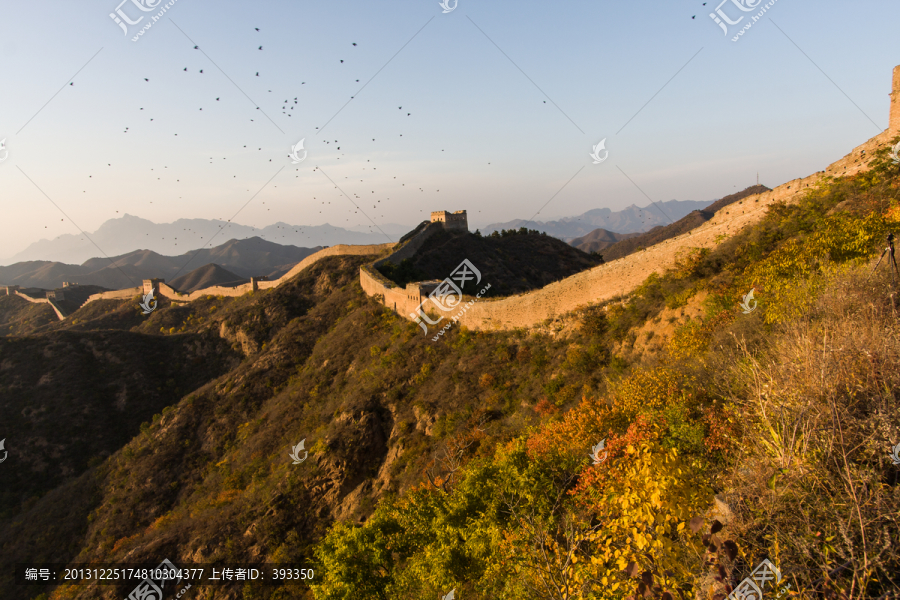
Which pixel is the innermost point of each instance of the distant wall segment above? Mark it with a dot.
(167, 291)
(52, 304)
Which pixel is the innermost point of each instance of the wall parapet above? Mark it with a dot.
(621, 276)
(52, 304)
(172, 294)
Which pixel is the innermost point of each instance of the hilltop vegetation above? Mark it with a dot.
(513, 261)
(750, 436)
(464, 463)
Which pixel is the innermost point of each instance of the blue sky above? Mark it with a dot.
(505, 101)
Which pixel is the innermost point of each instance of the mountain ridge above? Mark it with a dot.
(246, 258)
(120, 236)
(631, 219)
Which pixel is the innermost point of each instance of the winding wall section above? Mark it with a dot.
(622, 275)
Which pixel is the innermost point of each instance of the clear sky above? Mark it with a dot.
(501, 105)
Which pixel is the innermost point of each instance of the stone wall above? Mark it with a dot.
(115, 295)
(52, 304)
(339, 250)
(403, 300)
(623, 275)
(167, 291)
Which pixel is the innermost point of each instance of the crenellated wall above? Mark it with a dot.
(52, 304)
(597, 284)
(403, 300)
(167, 291)
(623, 275)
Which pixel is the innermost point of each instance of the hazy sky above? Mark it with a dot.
(501, 105)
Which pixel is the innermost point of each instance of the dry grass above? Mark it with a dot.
(819, 490)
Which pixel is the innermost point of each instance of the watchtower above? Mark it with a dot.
(152, 284)
(454, 220)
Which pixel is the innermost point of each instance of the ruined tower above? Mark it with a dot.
(894, 126)
(152, 284)
(454, 220)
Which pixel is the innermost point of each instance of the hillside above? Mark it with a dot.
(247, 258)
(600, 239)
(204, 277)
(463, 463)
(512, 262)
(682, 226)
(20, 317)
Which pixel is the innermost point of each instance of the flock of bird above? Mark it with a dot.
(287, 108)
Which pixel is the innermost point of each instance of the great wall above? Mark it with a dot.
(526, 310)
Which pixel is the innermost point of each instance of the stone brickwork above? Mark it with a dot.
(404, 301)
(153, 284)
(454, 220)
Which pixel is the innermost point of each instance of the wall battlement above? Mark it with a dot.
(623, 275)
(454, 220)
(597, 284)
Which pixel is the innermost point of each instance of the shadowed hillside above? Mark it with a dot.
(252, 257)
(464, 463)
(20, 317)
(69, 400)
(204, 277)
(600, 239)
(512, 262)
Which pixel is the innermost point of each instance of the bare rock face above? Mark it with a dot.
(424, 420)
(248, 346)
(355, 455)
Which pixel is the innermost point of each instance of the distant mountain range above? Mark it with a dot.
(632, 219)
(233, 261)
(125, 234)
(659, 234)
